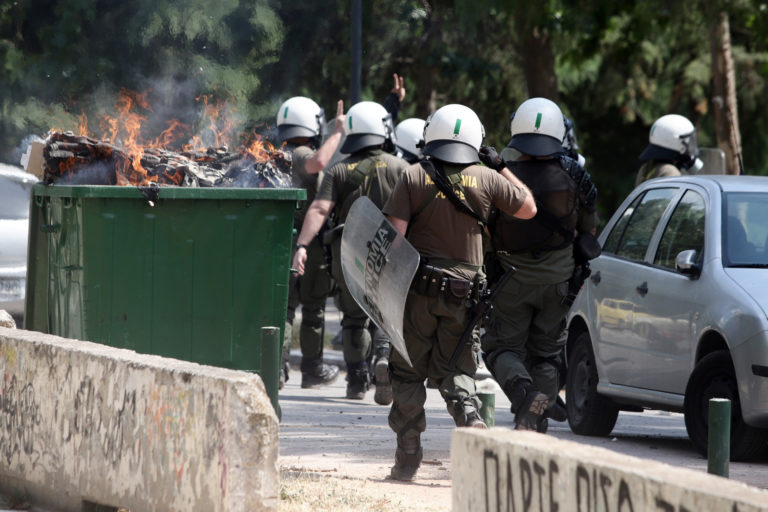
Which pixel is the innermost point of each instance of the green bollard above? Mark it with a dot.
(271, 355)
(719, 438)
(487, 407)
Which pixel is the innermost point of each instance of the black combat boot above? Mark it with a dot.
(407, 458)
(558, 411)
(529, 406)
(316, 373)
(358, 380)
(383, 394)
(465, 414)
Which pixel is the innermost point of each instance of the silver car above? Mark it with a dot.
(15, 192)
(676, 311)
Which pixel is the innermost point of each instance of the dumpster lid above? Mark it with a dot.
(130, 192)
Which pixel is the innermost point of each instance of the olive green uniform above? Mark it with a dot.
(656, 169)
(525, 331)
(311, 289)
(452, 242)
(337, 186)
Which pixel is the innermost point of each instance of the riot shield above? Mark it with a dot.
(378, 265)
(713, 159)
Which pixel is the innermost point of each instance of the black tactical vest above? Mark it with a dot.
(556, 196)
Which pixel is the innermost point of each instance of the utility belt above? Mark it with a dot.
(433, 281)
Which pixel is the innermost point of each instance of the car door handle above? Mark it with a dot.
(642, 289)
(596, 278)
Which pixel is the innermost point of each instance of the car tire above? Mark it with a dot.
(714, 377)
(589, 413)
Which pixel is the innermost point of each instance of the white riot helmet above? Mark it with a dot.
(367, 124)
(299, 117)
(537, 128)
(408, 134)
(453, 134)
(673, 138)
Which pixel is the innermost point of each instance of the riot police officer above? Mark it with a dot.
(299, 125)
(369, 171)
(672, 149)
(409, 135)
(440, 204)
(525, 332)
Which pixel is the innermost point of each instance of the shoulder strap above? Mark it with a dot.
(442, 184)
(358, 174)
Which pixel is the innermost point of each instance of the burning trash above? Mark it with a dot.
(78, 160)
(120, 158)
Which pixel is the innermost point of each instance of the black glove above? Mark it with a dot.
(491, 158)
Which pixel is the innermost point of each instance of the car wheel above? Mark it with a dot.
(589, 413)
(714, 377)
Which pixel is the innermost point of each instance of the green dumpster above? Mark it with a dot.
(189, 273)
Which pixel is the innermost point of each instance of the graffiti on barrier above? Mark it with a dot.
(517, 483)
(19, 417)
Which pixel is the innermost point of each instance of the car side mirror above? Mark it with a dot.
(685, 263)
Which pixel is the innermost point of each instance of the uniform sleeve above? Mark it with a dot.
(506, 197)
(399, 203)
(328, 188)
(299, 159)
(667, 170)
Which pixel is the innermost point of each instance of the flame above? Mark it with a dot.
(259, 148)
(123, 131)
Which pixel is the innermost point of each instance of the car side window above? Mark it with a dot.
(685, 230)
(632, 233)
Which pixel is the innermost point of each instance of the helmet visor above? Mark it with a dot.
(535, 144)
(355, 142)
(691, 143)
(292, 131)
(453, 152)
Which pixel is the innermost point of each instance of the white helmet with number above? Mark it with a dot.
(299, 117)
(453, 134)
(537, 128)
(673, 138)
(409, 133)
(367, 124)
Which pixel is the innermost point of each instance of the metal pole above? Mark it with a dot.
(719, 440)
(487, 407)
(355, 86)
(271, 353)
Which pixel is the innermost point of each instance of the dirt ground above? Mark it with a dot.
(336, 454)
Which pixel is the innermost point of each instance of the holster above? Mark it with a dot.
(432, 281)
(330, 235)
(579, 275)
(585, 248)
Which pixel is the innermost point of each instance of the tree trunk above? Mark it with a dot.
(724, 94)
(538, 59)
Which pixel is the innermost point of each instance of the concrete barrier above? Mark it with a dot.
(83, 424)
(507, 470)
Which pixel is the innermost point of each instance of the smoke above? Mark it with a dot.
(20, 150)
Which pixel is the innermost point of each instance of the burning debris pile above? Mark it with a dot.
(79, 160)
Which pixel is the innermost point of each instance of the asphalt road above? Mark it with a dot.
(320, 424)
(656, 435)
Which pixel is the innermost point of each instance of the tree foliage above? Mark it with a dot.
(615, 66)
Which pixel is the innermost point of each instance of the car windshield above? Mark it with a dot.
(14, 198)
(745, 232)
